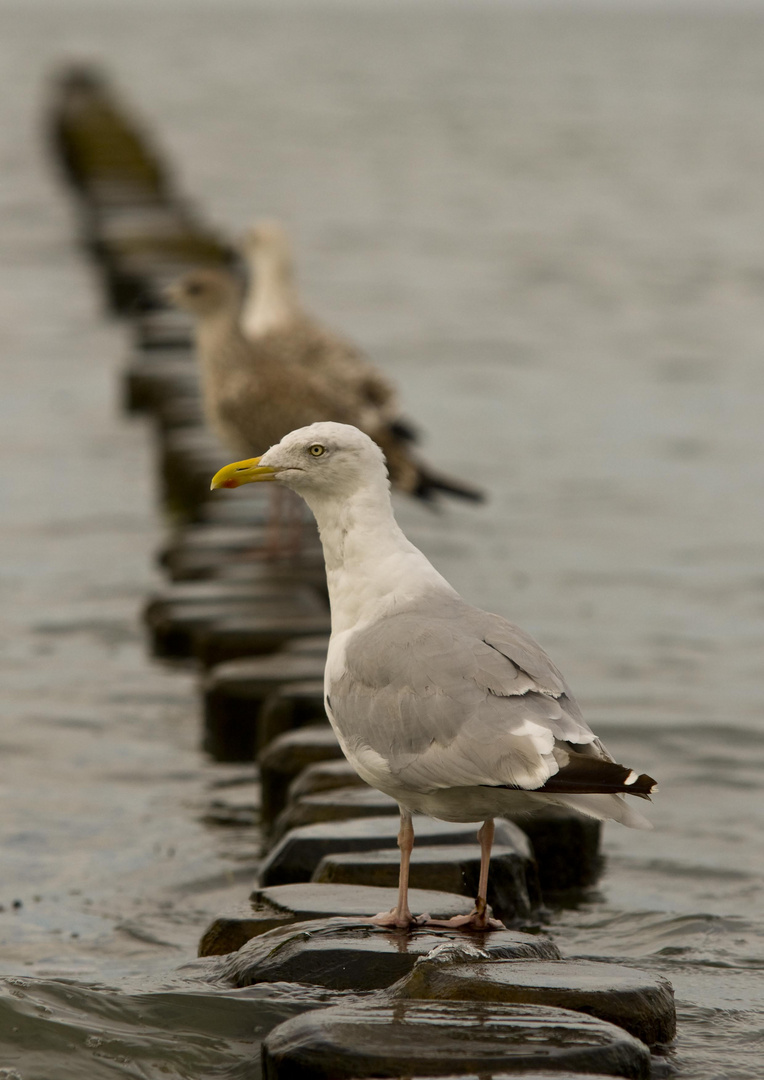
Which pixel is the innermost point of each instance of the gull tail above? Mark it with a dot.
(430, 484)
(409, 474)
(591, 775)
(604, 807)
(404, 430)
(596, 787)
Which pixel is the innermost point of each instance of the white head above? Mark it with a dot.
(267, 245)
(324, 460)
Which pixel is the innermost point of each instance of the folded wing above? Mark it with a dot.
(450, 696)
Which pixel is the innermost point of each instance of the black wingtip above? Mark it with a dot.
(591, 775)
(642, 785)
(430, 485)
(404, 430)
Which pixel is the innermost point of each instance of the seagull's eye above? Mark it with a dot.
(316, 450)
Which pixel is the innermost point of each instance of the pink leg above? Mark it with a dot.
(478, 918)
(400, 917)
(485, 839)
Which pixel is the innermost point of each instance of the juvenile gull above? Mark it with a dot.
(273, 314)
(254, 393)
(454, 712)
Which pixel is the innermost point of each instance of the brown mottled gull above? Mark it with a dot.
(454, 712)
(254, 393)
(272, 313)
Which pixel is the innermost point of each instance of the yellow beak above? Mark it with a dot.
(242, 472)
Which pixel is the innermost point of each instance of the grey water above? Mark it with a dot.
(547, 223)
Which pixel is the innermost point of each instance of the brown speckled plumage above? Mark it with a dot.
(257, 391)
(272, 313)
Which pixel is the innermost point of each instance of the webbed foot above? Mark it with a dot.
(398, 920)
(476, 920)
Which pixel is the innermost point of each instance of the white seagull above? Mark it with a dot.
(452, 711)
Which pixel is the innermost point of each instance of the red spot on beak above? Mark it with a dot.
(230, 483)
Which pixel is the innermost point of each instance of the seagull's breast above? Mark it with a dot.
(370, 765)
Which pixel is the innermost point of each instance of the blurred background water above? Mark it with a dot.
(547, 223)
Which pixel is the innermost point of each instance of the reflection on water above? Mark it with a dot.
(547, 226)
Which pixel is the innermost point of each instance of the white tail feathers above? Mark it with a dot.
(604, 807)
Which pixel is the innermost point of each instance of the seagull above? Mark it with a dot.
(273, 314)
(453, 712)
(254, 393)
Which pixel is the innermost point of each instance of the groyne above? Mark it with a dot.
(440, 1002)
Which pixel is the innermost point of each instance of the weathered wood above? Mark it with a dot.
(372, 1038)
(641, 1004)
(347, 954)
(567, 847)
(234, 693)
(252, 633)
(291, 706)
(287, 755)
(448, 868)
(257, 620)
(308, 900)
(323, 776)
(150, 379)
(284, 905)
(337, 805)
(298, 854)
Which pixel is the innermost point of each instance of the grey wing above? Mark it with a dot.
(450, 696)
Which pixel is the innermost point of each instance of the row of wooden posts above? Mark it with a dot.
(257, 629)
